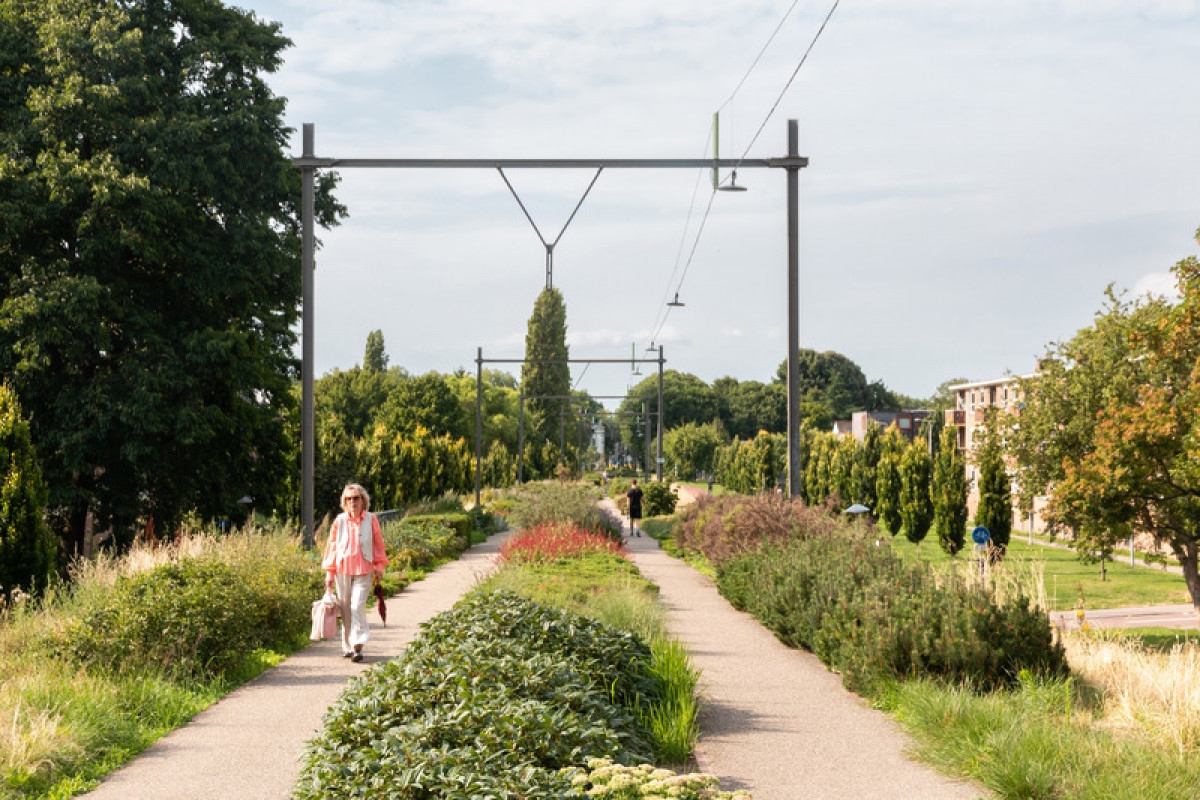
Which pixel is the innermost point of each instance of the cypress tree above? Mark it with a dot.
(950, 492)
(887, 482)
(916, 505)
(27, 547)
(545, 339)
(995, 490)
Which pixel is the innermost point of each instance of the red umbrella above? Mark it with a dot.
(379, 597)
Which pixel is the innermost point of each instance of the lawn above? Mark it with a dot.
(1069, 582)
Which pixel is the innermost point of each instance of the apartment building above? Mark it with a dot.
(972, 403)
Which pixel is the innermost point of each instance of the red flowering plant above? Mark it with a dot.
(552, 541)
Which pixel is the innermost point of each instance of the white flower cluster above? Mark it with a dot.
(612, 781)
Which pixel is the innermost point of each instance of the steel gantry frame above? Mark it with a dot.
(308, 163)
(480, 361)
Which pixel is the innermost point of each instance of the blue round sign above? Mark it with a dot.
(981, 535)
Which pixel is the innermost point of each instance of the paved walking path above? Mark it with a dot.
(249, 744)
(775, 721)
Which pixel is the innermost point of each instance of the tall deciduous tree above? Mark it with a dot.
(686, 398)
(1102, 365)
(27, 548)
(545, 340)
(1143, 470)
(149, 254)
(425, 402)
(689, 449)
(950, 492)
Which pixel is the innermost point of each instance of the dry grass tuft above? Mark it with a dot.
(1151, 694)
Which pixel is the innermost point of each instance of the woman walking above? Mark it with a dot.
(354, 555)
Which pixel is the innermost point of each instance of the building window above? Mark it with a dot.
(905, 423)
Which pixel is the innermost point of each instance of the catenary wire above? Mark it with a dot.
(788, 85)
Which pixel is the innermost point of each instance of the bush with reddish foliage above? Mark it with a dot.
(723, 526)
(553, 541)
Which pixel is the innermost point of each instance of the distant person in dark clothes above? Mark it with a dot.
(635, 507)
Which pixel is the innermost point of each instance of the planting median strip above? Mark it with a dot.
(249, 744)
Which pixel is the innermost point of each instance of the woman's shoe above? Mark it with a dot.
(357, 656)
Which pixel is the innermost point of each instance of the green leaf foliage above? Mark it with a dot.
(546, 340)
(149, 256)
(27, 548)
(916, 503)
(753, 465)
(950, 492)
(495, 698)
(888, 482)
(994, 511)
(871, 616)
(196, 617)
(660, 498)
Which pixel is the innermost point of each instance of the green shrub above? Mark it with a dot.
(458, 521)
(871, 616)
(419, 542)
(721, 526)
(660, 498)
(194, 618)
(493, 699)
(540, 503)
(27, 547)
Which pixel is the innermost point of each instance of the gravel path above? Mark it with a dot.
(775, 721)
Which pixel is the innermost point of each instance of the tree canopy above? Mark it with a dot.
(1138, 469)
(837, 382)
(149, 254)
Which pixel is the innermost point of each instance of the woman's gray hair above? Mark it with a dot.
(358, 487)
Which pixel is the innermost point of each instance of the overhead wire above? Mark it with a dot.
(788, 85)
(664, 308)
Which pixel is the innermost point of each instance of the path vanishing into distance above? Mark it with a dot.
(775, 721)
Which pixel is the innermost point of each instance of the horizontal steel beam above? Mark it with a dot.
(548, 163)
(570, 360)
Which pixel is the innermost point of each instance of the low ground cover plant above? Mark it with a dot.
(609, 589)
(496, 697)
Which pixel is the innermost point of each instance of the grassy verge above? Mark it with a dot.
(1069, 583)
(92, 674)
(1125, 725)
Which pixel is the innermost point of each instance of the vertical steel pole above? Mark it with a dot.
(793, 361)
(307, 423)
(658, 463)
(478, 420)
(521, 441)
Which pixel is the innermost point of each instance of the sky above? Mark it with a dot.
(979, 173)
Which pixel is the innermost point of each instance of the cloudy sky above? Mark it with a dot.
(979, 172)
